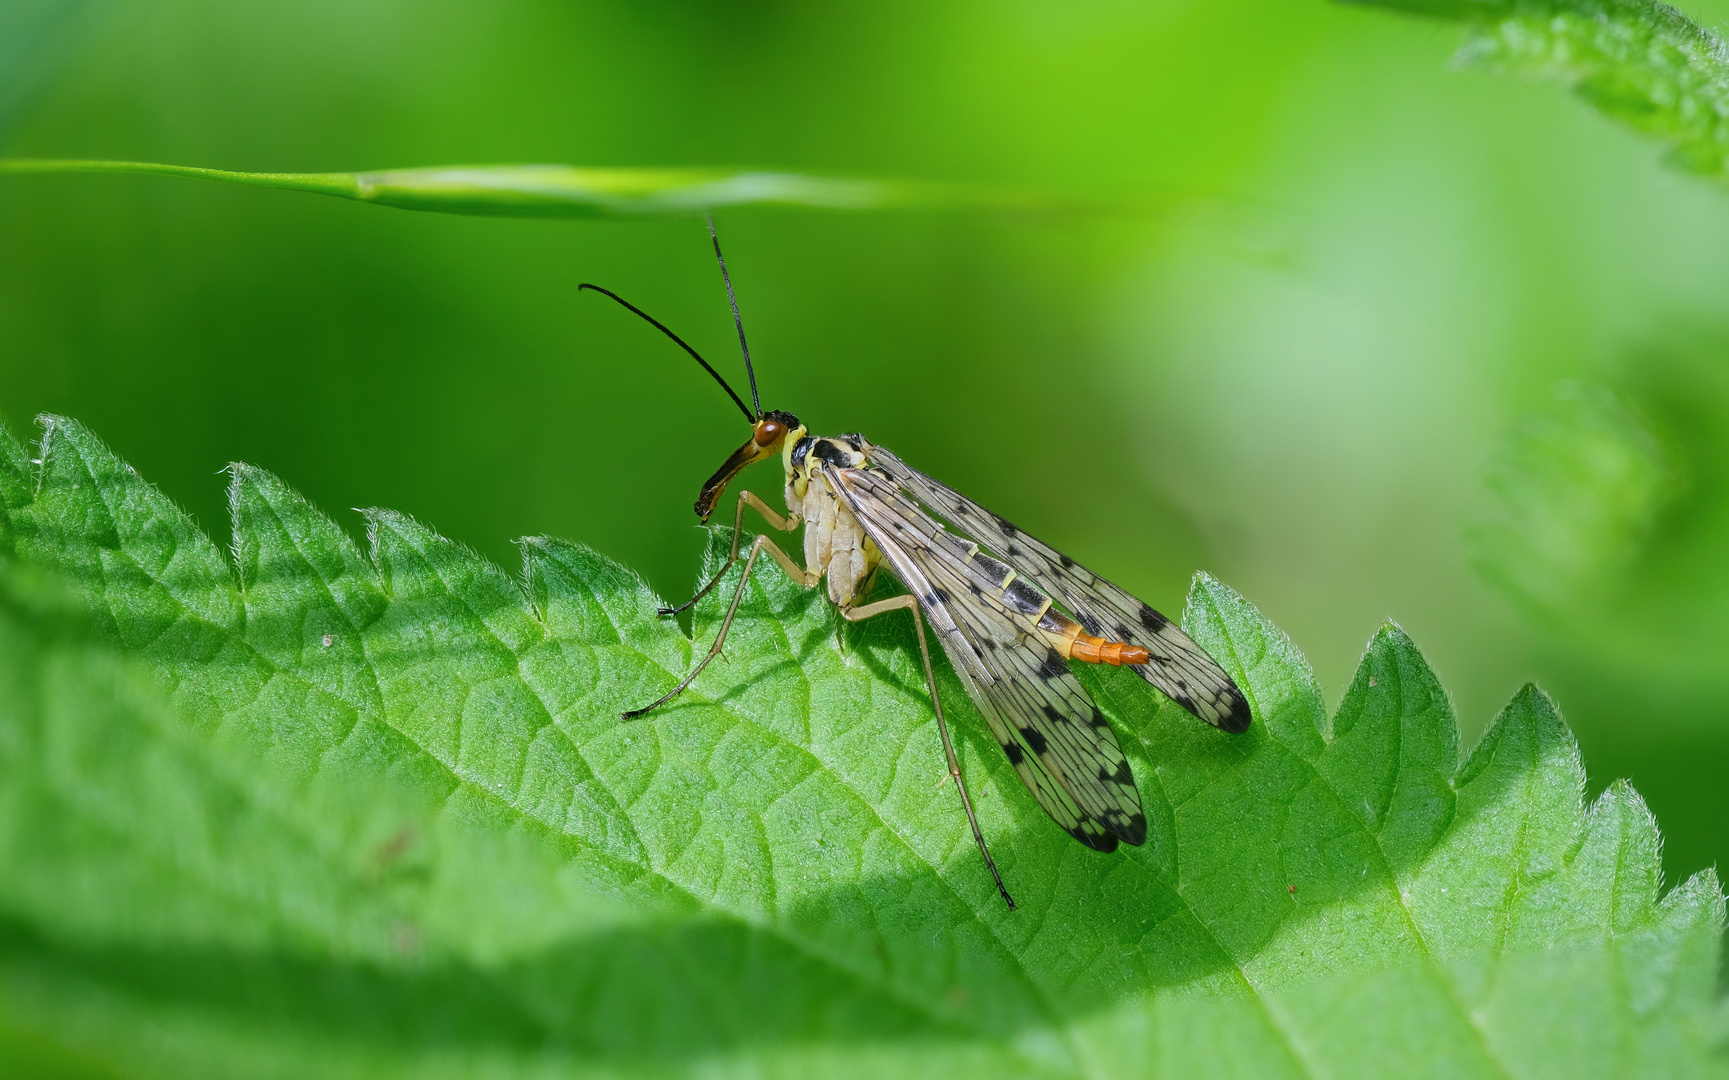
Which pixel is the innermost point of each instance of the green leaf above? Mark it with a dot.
(1643, 63)
(573, 191)
(310, 807)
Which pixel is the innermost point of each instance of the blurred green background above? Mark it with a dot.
(1386, 341)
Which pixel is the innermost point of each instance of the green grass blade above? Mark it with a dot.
(570, 191)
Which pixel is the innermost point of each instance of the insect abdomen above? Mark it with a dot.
(1076, 644)
(835, 544)
(1063, 632)
(1094, 650)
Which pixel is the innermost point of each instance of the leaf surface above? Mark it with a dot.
(316, 807)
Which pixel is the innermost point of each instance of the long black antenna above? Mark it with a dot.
(656, 323)
(733, 300)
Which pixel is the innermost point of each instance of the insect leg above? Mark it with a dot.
(895, 603)
(758, 546)
(784, 524)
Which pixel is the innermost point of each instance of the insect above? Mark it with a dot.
(991, 594)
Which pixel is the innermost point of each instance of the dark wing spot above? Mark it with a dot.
(1007, 528)
(1015, 753)
(1092, 836)
(1236, 720)
(1152, 620)
(1065, 560)
(1012, 551)
(935, 598)
(1053, 666)
(1099, 720)
(1035, 740)
(1134, 831)
(1054, 716)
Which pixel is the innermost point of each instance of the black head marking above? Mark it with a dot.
(801, 451)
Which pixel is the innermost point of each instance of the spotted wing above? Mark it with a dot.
(1179, 667)
(1060, 744)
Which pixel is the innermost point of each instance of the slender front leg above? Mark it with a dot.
(895, 604)
(784, 524)
(758, 546)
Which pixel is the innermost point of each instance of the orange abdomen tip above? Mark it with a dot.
(1096, 650)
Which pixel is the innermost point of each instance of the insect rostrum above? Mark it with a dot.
(995, 614)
